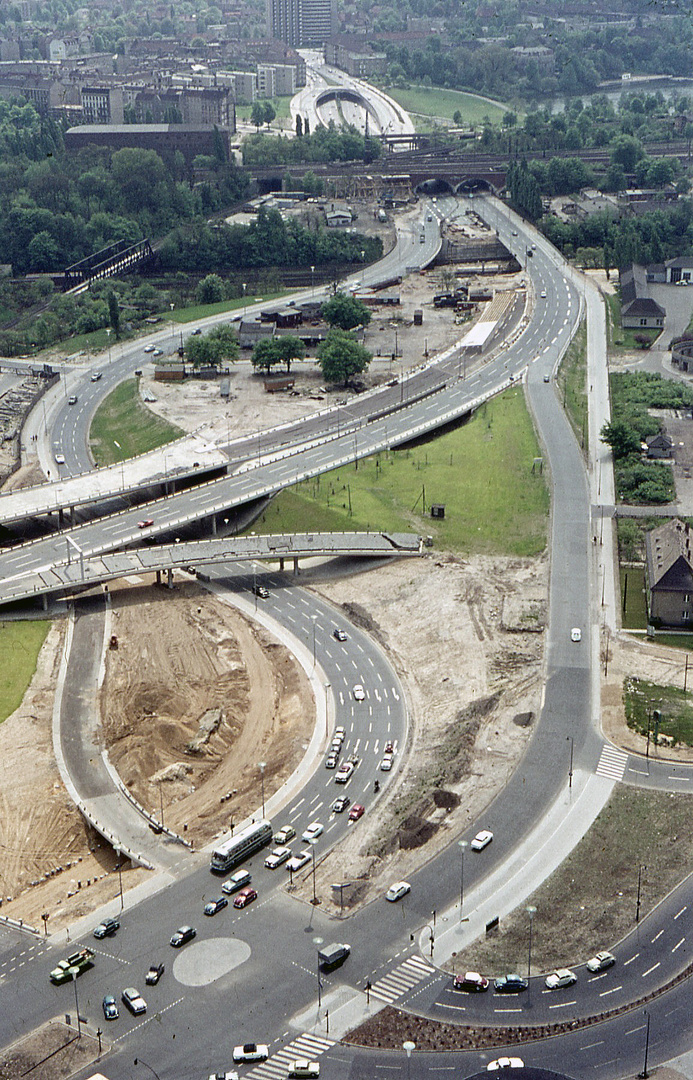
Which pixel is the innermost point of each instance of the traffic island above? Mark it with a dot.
(53, 1051)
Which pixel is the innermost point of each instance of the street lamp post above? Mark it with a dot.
(261, 767)
(531, 911)
(363, 268)
(312, 848)
(644, 1074)
(570, 770)
(245, 286)
(317, 941)
(312, 283)
(120, 875)
(108, 339)
(173, 326)
(122, 465)
(637, 903)
(79, 1022)
(463, 844)
(408, 1048)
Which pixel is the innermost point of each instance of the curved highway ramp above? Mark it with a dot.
(79, 572)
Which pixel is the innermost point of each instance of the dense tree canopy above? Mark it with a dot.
(341, 357)
(345, 312)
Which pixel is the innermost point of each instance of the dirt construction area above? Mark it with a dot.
(197, 694)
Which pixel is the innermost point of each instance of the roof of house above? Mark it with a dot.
(683, 262)
(669, 557)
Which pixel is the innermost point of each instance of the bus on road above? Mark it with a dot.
(240, 846)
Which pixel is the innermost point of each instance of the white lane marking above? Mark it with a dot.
(657, 936)
(627, 962)
(678, 944)
(679, 913)
(651, 969)
(605, 993)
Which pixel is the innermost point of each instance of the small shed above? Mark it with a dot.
(250, 332)
(289, 316)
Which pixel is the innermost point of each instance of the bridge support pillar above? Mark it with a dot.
(72, 515)
(296, 569)
(44, 601)
(61, 516)
(214, 525)
(169, 578)
(281, 563)
(158, 577)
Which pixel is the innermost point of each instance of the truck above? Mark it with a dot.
(333, 955)
(72, 966)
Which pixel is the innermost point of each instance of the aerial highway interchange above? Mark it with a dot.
(221, 989)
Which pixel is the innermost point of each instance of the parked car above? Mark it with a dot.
(398, 890)
(149, 348)
(182, 935)
(471, 981)
(132, 998)
(154, 974)
(601, 961)
(481, 840)
(339, 635)
(314, 830)
(297, 861)
(358, 692)
(556, 980)
(214, 906)
(356, 812)
(286, 833)
(236, 881)
(245, 897)
(250, 1052)
(340, 804)
(107, 928)
(276, 857)
(110, 1009)
(510, 984)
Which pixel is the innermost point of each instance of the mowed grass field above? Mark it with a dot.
(123, 419)
(20, 644)
(436, 102)
(483, 473)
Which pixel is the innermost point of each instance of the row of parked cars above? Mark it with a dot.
(473, 982)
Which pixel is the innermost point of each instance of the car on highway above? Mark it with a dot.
(132, 998)
(250, 1052)
(236, 881)
(276, 857)
(543, 294)
(145, 523)
(481, 840)
(356, 812)
(397, 891)
(556, 980)
(505, 1063)
(245, 897)
(304, 1068)
(213, 906)
(471, 981)
(339, 733)
(387, 762)
(261, 591)
(72, 966)
(96, 375)
(547, 378)
(314, 830)
(344, 772)
(510, 984)
(149, 348)
(358, 692)
(283, 835)
(297, 861)
(331, 761)
(339, 635)
(182, 935)
(157, 352)
(59, 459)
(72, 400)
(340, 804)
(154, 974)
(601, 961)
(576, 634)
(107, 928)
(336, 746)
(514, 232)
(110, 1009)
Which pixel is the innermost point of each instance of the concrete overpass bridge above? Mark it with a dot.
(431, 177)
(78, 572)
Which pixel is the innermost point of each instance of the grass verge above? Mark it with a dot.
(20, 644)
(590, 902)
(633, 605)
(202, 311)
(435, 102)
(572, 382)
(642, 698)
(481, 471)
(123, 419)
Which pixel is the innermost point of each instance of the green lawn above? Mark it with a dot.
(122, 418)
(642, 698)
(481, 471)
(20, 644)
(572, 384)
(635, 614)
(279, 104)
(202, 311)
(436, 102)
(620, 338)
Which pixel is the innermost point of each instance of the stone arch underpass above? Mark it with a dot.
(439, 185)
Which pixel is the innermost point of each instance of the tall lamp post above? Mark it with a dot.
(408, 1048)
(245, 286)
(312, 283)
(75, 973)
(463, 844)
(570, 770)
(317, 941)
(173, 326)
(312, 848)
(531, 911)
(261, 767)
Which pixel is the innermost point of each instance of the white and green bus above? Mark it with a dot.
(240, 846)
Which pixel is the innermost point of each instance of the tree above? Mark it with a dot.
(225, 342)
(341, 356)
(626, 151)
(265, 354)
(268, 112)
(257, 114)
(345, 312)
(114, 313)
(457, 118)
(210, 290)
(289, 348)
(621, 437)
(299, 126)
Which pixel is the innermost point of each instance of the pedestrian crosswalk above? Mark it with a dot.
(612, 763)
(401, 979)
(277, 1067)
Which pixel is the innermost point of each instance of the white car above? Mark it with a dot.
(505, 1063)
(560, 978)
(237, 881)
(286, 833)
(304, 1067)
(134, 1001)
(543, 294)
(59, 459)
(339, 733)
(228, 1074)
(358, 692)
(277, 857)
(314, 830)
(601, 961)
(250, 1052)
(297, 861)
(344, 772)
(386, 763)
(481, 840)
(397, 891)
(149, 348)
(576, 634)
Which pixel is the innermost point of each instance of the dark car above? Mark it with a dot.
(110, 1009)
(216, 905)
(106, 928)
(356, 812)
(182, 935)
(154, 974)
(339, 635)
(471, 981)
(245, 897)
(510, 984)
(340, 804)
(261, 591)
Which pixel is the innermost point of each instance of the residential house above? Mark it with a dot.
(669, 574)
(638, 309)
(660, 446)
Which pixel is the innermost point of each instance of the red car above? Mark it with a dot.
(356, 811)
(145, 524)
(245, 897)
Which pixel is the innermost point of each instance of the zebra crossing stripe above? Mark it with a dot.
(612, 763)
(401, 979)
(305, 1045)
